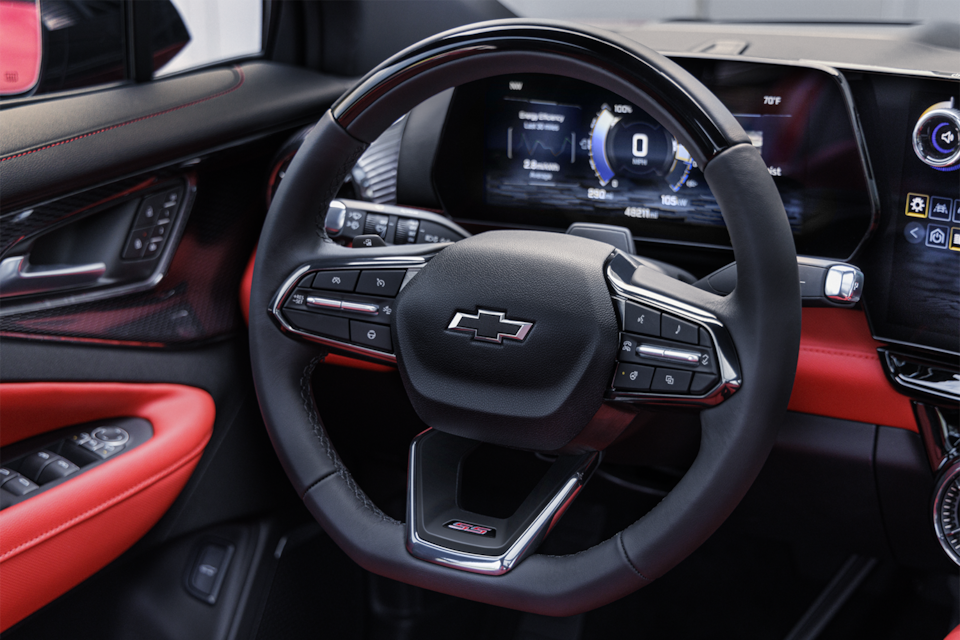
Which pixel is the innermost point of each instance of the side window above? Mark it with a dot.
(53, 46)
(218, 30)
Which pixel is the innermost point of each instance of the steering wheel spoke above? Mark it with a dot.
(674, 349)
(441, 532)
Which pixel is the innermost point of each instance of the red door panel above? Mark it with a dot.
(55, 540)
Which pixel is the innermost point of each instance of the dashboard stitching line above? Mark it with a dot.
(133, 121)
(103, 506)
(845, 354)
(629, 561)
(310, 407)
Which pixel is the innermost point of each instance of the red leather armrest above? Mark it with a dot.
(55, 540)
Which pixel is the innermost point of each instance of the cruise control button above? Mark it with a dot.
(298, 299)
(640, 319)
(33, 464)
(632, 377)
(20, 486)
(380, 283)
(320, 324)
(677, 329)
(628, 349)
(57, 469)
(703, 382)
(336, 280)
(376, 336)
(671, 380)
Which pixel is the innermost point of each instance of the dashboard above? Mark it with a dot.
(548, 151)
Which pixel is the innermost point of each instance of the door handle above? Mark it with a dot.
(18, 279)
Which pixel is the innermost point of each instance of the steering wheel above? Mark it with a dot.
(522, 338)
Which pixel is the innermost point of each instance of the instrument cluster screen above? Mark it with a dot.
(556, 151)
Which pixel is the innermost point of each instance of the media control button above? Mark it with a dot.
(677, 329)
(380, 282)
(632, 377)
(375, 336)
(336, 280)
(671, 380)
(640, 319)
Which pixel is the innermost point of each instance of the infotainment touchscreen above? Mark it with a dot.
(555, 150)
(923, 303)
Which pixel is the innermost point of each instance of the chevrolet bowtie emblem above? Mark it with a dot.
(490, 326)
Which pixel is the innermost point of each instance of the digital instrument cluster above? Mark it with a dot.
(542, 151)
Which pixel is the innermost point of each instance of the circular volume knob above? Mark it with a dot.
(936, 138)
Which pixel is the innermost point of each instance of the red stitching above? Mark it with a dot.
(846, 354)
(103, 506)
(135, 120)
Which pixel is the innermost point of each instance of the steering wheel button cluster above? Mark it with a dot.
(640, 319)
(380, 283)
(336, 280)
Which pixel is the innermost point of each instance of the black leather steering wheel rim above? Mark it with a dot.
(762, 314)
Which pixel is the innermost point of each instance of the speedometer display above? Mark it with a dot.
(546, 151)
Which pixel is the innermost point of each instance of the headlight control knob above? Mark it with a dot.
(936, 138)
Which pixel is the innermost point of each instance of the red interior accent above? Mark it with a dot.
(341, 361)
(55, 540)
(953, 635)
(839, 372)
(245, 284)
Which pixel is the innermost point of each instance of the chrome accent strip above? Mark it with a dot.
(323, 303)
(372, 309)
(666, 353)
(525, 544)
